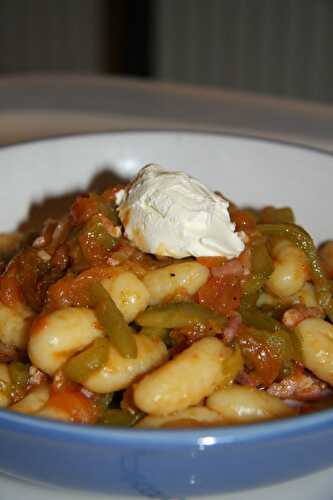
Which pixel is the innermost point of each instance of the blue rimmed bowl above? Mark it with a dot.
(168, 463)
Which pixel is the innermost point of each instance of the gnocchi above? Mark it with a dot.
(4, 383)
(175, 386)
(316, 338)
(291, 270)
(242, 404)
(118, 372)
(195, 415)
(55, 337)
(164, 283)
(155, 309)
(129, 294)
(14, 324)
(34, 400)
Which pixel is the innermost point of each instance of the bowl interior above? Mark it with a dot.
(39, 179)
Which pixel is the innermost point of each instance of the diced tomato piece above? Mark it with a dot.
(212, 261)
(74, 291)
(245, 221)
(75, 404)
(109, 194)
(221, 294)
(266, 367)
(92, 250)
(82, 209)
(10, 292)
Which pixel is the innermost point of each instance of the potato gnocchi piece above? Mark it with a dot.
(306, 296)
(291, 270)
(242, 404)
(53, 413)
(316, 338)
(5, 399)
(185, 380)
(33, 401)
(165, 282)
(66, 362)
(119, 372)
(14, 325)
(129, 294)
(194, 416)
(55, 337)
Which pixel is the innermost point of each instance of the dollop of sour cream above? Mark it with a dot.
(172, 214)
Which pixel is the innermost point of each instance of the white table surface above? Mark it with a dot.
(38, 106)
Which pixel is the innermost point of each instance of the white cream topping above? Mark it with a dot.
(173, 214)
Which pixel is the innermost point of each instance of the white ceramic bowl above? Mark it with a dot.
(166, 463)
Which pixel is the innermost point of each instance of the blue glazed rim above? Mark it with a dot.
(298, 427)
(295, 427)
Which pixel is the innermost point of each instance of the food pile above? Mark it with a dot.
(161, 304)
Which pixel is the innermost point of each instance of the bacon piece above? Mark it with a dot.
(239, 267)
(245, 259)
(10, 353)
(299, 386)
(36, 377)
(232, 267)
(296, 314)
(245, 378)
(231, 330)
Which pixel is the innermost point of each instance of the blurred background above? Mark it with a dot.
(277, 47)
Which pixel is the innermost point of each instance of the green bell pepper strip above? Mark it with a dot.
(283, 344)
(96, 229)
(119, 418)
(273, 215)
(261, 267)
(260, 320)
(151, 331)
(112, 321)
(18, 373)
(80, 367)
(106, 208)
(178, 315)
(303, 241)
